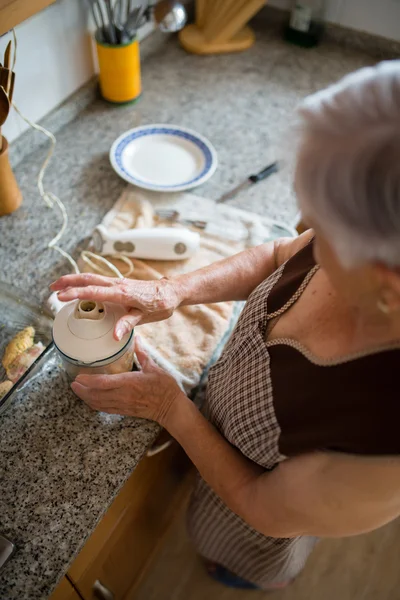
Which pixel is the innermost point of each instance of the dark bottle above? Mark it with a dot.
(305, 25)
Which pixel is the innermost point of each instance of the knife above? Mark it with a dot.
(272, 168)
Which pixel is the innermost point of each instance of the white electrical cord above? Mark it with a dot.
(48, 197)
(89, 258)
(52, 200)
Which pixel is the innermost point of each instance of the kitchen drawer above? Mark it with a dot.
(121, 548)
(65, 591)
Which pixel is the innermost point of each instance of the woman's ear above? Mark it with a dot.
(388, 289)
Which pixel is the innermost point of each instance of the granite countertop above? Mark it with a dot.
(61, 463)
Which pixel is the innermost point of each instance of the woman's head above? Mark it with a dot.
(348, 172)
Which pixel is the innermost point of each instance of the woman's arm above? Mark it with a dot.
(233, 278)
(320, 494)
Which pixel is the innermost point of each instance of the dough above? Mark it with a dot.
(21, 353)
(5, 387)
(21, 342)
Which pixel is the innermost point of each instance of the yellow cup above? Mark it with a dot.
(119, 66)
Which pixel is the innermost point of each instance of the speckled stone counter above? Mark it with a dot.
(61, 464)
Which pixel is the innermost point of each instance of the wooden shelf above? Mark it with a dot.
(13, 12)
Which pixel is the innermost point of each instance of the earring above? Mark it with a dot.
(383, 306)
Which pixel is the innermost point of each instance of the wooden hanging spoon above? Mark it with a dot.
(4, 110)
(11, 86)
(4, 105)
(7, 56)
(7, 63)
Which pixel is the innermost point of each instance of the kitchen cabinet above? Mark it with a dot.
(65, 591)
(13, 12)
(121, 548)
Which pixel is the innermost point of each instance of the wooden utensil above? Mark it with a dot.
(4, 105)
(11, 89)
(7, 56)
(10, 194)
(7, 63)
(5, 76)
(4, 110)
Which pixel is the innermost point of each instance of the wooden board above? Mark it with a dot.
(13, 12)
(192, 39)
(220, 26)
(121, 548)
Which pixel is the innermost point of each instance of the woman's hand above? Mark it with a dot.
(145, 301)
(150, 393)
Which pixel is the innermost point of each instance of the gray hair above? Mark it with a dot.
(351, 166)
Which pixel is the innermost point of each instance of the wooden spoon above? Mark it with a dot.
(4, 105)
(4, 110)
(7, 56)
(4, 76)
(11, 87)
(7, 63)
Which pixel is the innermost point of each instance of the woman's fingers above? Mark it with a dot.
(101, 400)
(98, 399)
(144, 360)
(127, 323)
(91, 292)
(101, 382)
(80, 280)
(111, 401)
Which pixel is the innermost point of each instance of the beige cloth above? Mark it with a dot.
(184, 344)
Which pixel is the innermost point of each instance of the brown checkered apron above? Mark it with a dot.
(241, 406)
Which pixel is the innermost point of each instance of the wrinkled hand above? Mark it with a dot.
(145, 301)
(150, 393)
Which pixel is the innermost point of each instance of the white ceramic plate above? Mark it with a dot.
(163, 158)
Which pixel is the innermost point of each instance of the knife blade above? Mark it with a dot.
(272, 168)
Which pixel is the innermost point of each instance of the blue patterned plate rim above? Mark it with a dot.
(207, 149)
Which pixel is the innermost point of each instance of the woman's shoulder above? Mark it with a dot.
(288, 248)
(294, 262)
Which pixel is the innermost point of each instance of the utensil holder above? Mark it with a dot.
(119, 65)
(10, 194)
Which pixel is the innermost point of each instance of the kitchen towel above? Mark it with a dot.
(193, 336)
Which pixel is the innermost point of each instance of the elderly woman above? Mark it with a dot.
(302, 438)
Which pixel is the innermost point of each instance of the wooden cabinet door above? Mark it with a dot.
(119, 551)
(13, 12)
(64, 591)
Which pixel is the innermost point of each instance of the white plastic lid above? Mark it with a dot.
(83, 331)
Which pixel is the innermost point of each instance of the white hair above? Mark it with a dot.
(350, 164)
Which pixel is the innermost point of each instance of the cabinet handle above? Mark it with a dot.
(101, 592)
